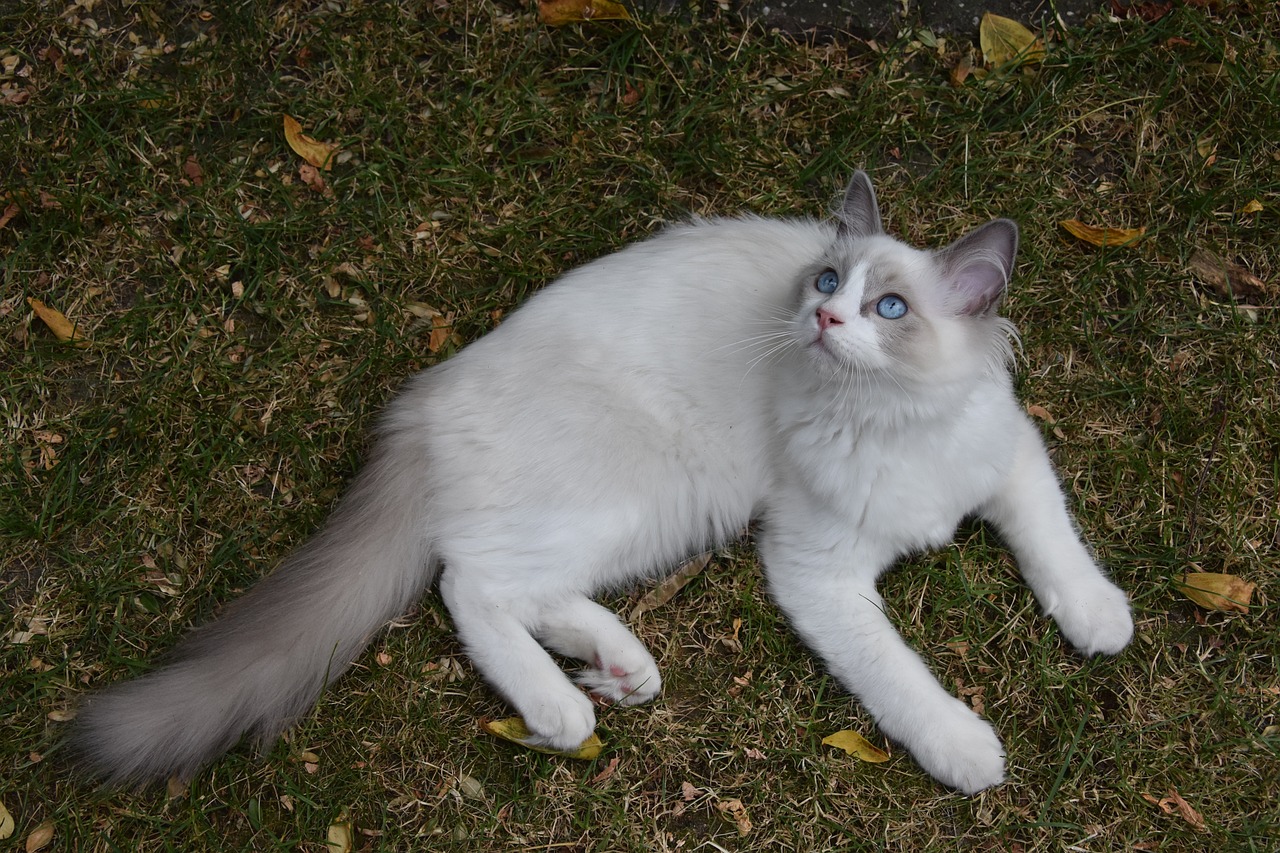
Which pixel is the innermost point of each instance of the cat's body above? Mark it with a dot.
(644, 407)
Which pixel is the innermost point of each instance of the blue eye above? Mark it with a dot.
(827, 282)
(891, 307)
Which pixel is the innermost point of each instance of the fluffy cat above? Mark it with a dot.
(847, 390)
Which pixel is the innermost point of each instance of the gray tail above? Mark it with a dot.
(262, 664)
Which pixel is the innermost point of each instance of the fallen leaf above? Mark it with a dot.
(1102, 235)
(62, 328)
(857, 746)
(557, 13)
(961, 71)
(672, 584)
(607, 773)
(1227, 593)
(1229, 281)
(10, 211)
(1252, 206)
(514, 730)
(6, 822)
(40, 837)
(1173, 803)
(317, 153)
(736, 810)
(340, 838)
(192, 170)
(1004, 40)
(441, 333)
(1040, 413)
(689, 792)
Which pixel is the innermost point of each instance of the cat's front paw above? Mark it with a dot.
(960, 750)
(1093, 616)
(628, 680)
(561, 720)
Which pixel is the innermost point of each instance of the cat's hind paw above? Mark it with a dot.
(626, 682)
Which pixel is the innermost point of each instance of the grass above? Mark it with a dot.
(245, 329)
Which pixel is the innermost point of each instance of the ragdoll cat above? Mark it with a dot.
(847, 390)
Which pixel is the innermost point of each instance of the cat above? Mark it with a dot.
(849, 392)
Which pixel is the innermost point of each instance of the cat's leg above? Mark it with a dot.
(619, 668)
(834, 607)
(1030, 513)
(495, 630)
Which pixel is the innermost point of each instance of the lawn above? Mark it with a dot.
(242, 318)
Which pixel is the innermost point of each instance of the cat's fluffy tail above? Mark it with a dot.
(263, 662)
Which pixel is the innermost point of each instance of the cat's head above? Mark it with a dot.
(873, 305)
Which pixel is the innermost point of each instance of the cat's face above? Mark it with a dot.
(878, 308)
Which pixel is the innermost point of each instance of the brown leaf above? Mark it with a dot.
(1004, 40)
(1173, 803)
(857, 746)
(1228, 280)
(62, 328)
(1103, 235)
(10, 211)
(317, 153)
(607, 773)
(736, 810)
(1227, 593)
(40, 837)
(192, 170)
(441, 333)
(672, 584)
(557, 13)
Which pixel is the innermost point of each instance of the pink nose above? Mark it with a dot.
(826, 318)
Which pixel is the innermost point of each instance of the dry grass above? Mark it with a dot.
(246, 327)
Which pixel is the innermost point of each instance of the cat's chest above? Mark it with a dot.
(906, 487)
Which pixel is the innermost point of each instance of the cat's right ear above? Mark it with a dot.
(976, 268)
(858, 214)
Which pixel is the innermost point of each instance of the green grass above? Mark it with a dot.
(245, 329)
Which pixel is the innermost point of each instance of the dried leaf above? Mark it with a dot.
(40, 837)
(557, 13)
(514, 730)
(672, 584)
(10, 211)
(442, 333)
(736, 810)
(317, 153)
(1004, 40)
(857, 746)
(1228, 280)
(341, 837)
(6, 822)
(1102, 235)
(1227, 593)
(1040, 413)
(1173, 803)
(1252, 206)
(62, 328)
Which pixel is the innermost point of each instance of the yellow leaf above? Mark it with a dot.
(40, 837)
(857, 746)
(340, 838)
(557, 13)
(6, 822)
(1227, 593)
(514, 730)
(1102, 235)
(1254, 206)
(317, 153)
(62, 328)
(1004, 40)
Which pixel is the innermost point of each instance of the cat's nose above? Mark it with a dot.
(826, 318)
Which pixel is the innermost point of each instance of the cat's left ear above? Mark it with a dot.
(858, 214)
(976, 268)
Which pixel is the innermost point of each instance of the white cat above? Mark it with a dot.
(845, 389)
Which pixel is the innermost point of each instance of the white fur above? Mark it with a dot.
(647, 406)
